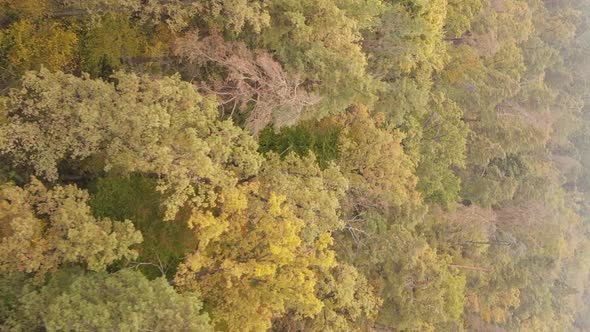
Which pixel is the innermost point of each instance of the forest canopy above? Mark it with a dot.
(295, 165)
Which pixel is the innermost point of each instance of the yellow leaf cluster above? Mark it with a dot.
(251, 265)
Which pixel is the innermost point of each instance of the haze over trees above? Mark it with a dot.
(294, 165)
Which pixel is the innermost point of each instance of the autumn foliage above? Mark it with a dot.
(294, 165)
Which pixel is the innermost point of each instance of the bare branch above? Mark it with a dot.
(253, 80)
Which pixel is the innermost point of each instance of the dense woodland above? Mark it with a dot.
(294, 165)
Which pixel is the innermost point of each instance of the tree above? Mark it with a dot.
(43, 229)
(349, 303)
(372, 159)
(465, 234)
(320, 41)
(460, 15)
(17, 9)
(404, 51)
(112, 43)
(254, 81)
(74, 300)
(30, 45)
(176, 14)
(251, 266)
(159, 127)
(409, 39)
(419, 290)
(441, 148)
(311, 193)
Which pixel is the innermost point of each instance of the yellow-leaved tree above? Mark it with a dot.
(251, 265)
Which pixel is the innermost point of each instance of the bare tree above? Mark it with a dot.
(253, 81)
